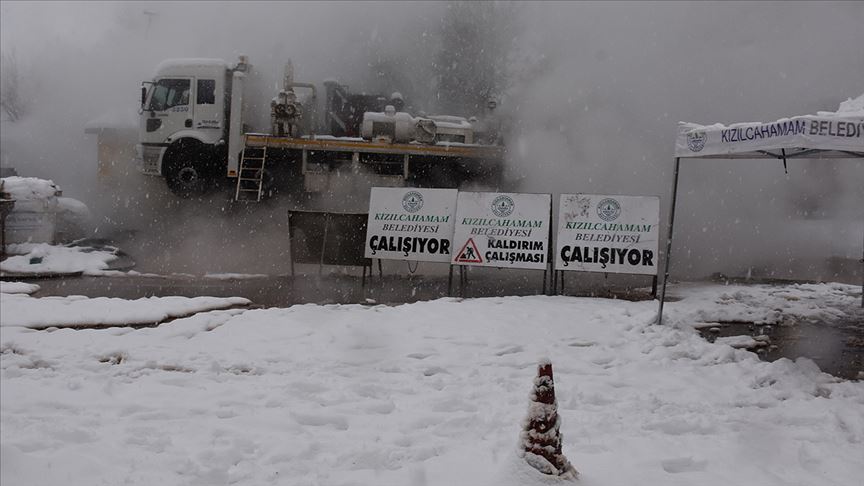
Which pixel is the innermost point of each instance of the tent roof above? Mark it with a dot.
(828, 134)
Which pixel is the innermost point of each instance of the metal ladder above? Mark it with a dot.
(250, 180)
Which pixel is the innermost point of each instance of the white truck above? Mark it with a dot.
(204, 122)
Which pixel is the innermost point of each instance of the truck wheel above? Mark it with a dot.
(188, 171)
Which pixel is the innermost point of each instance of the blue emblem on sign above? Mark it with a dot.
(696, 141)
(609, 209)
(412, 201)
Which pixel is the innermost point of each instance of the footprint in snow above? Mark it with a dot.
(682, 464)
(510, 350)
(433, 371)
(319, 420)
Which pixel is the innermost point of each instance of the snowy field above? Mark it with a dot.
(430, 393)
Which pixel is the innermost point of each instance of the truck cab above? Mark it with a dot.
(185, 99)
(186, 118)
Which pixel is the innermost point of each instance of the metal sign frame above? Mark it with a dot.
(796, 153)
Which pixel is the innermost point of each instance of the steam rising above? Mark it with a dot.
(593, 102)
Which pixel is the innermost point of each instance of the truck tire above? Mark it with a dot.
(189, 169)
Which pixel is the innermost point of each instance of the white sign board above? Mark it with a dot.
(410, 224)
(502, 230)
(610, 234)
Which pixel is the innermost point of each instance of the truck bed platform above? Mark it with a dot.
(357, 145)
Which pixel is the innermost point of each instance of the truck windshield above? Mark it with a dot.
(167, 93)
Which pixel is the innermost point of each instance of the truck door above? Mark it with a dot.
(170, 107)
(208, 108)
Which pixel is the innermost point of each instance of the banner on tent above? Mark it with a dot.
(411, 224)
(812, 132)
(502, 230)
(608, 233)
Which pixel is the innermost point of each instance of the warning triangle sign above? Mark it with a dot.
(469, 253)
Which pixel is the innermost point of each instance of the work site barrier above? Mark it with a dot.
(324, 238)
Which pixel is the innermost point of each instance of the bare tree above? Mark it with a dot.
(12, 100)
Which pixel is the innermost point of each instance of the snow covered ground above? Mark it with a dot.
(424, 394)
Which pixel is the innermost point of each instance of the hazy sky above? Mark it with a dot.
(602, 86)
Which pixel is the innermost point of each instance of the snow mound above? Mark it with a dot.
(42, 258)
(30, 188)
(853, 106)
(18, 288)
(24, 311)
(74, 219)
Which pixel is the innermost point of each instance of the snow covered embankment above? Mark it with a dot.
(21, 310)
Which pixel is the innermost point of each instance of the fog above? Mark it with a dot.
(592, 101)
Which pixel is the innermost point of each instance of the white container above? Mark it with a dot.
(34, 217)
(30, 226)
(397, 127)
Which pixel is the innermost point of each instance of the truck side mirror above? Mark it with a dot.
(143, 96)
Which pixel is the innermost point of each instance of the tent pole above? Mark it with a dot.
(669, 240)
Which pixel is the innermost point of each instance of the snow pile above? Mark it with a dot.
(74, 219)
(21, 310)
(18, 288)
(762, 304)
(168, 66)
(41, 259)
(740, 342)
(30, 189)
(852, 107)
(422, 394)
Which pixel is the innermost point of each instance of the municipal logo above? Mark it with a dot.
(503, 206)
(608, 209)
(412, 201)
(696, 141)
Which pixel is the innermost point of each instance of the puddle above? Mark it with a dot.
(837, 347)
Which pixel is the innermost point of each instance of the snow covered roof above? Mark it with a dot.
(184, 65)
(827, 134)
(853, 106)
(30, 188)
(126, 119)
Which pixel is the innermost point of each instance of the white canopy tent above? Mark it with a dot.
(825, 135)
